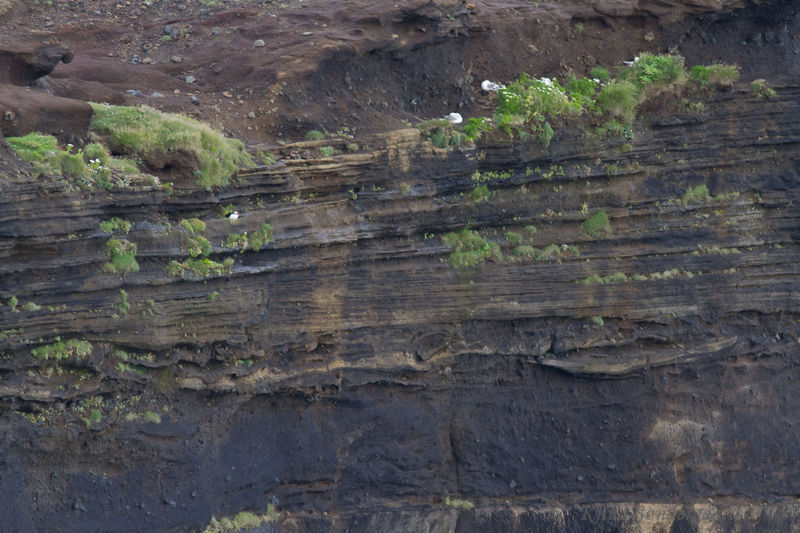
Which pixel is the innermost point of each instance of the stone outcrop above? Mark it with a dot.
(511, 380)
(23, 110)
(635, 377)
(24, 63)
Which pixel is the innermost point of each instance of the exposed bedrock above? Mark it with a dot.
(641, 377)
(24, 110)
(22, 63)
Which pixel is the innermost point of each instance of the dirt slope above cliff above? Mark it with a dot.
(371, 66)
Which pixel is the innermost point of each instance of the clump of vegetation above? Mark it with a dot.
(198, 245)
(716, 75)
(533, 102)
(548, 253)
(531, 107)
(327, 151)
(458, 503)
(96, 151)
(662, 71)
(616, 277)
(48, 159)
(115, 225)
(314, 135)
(141, 131)
(597, 224)
(261, 237)
(469, 248)
(242, 521)
(441, 133)
(484, 177)
(13, 302)
(237, 240)
(202, 268)
(122, 255)
(695, 195)
(194, 225)
(35, 147)
(479, 194)
(475, 126)
(123, 306)
(600, 74)
(31, 306)
(513, 237)
(147, 416)
(619, 98)
(63, 350)
(761, 89)
(255, 240)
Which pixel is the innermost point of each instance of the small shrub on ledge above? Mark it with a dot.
(63, 350)
(202, 268)
(143, 131)
(469, 248)
(122, 255)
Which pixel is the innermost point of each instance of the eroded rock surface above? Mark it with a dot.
(348, 374)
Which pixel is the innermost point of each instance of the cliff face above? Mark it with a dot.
(639, 375)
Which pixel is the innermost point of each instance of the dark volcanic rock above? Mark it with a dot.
(345, 372)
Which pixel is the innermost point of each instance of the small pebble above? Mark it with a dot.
(176, 59)
(190, 79)
(258, 43)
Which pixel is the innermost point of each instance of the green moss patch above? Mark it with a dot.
(122, 255)
(469, 248)
(63, 350)
(150, 134)
(597, 224)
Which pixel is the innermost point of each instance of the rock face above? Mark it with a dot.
(636, 377)
(23, 110)
(23, 64)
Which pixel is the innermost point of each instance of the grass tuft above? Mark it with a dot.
(469, 248)
(63, 350)
(122, 255)
(115, 225)
(314, 135)
(597, 224)
(619, 98)
(716, 75)
(143, 131)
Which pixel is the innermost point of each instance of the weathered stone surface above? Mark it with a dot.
(349, 375)
(22, 64)
(23, 111)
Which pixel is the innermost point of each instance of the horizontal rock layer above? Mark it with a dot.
(637, 379)
(510, 381)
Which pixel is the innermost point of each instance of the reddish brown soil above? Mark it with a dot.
(326, 64)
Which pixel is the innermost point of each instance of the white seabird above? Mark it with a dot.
(631, 63)
(454, 118)
(490, 86)
(234, 215)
